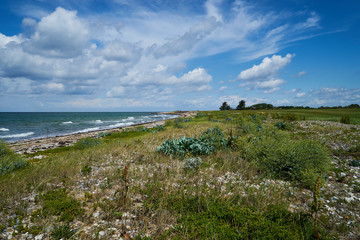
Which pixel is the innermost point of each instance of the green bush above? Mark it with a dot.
(283, 125)
(9, 160)
(345, 119)
(275, 154)
(87, 143)
(58, 203)
(179, 123)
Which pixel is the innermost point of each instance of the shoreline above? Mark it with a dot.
(30, 146)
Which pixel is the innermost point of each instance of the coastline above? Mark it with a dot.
(40, 144)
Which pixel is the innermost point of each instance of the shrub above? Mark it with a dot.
(87, 143)
(58, 203)
(9, 160)
(178, 123)
(345, 119)
(283, 125)
(63, 231)
(192, 164)
(275, 154)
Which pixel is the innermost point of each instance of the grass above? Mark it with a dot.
(243, 190)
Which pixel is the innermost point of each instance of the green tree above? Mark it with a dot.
(241, 105)
(225, 106)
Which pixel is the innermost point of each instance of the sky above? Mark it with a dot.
(164, 55)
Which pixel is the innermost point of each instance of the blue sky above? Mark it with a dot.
(123, 55)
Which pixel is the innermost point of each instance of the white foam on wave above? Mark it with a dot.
(121, 125)
(130, 118)
(18, 135)
(69, 122)
(88, 130)
(4, 130)
(98, 121)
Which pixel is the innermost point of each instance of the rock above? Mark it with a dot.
(39, 237)
(101, 233)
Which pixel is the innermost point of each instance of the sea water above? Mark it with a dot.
(32, 125)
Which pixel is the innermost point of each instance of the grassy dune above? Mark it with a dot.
(218, 175)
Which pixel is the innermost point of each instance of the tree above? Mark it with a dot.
(241, 105)
(225, 106)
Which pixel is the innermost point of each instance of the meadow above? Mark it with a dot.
(265, 174)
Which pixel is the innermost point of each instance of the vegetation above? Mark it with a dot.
(241, 105)
(225, 106)
(9, 160)
(249, 174)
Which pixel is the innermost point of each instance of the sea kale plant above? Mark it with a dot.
(208, 142)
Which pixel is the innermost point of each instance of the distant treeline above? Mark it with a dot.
(259, 106)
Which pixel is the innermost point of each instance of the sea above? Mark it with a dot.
(15, 126)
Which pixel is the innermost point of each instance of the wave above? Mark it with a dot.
(130, 118)
(98, 121)
(4, 130)
(88, 130)
(121, 125)
(18, 135)
(69, 122)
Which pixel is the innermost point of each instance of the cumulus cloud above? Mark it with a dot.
(268, 67)
(158, 81)
(60, 34)
(262, 76)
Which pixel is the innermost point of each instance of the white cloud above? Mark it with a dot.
(4, 40)
(302, 73)
(122, 52)
(262, 76)
(232, 100)
(187, 41)
(142, 53)
(48, 88)
(270, 84)
(116, 92)
(271, 90)
(212, 9)
(222, 88)
(268, 67)
(300, 94)
(60, 34)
